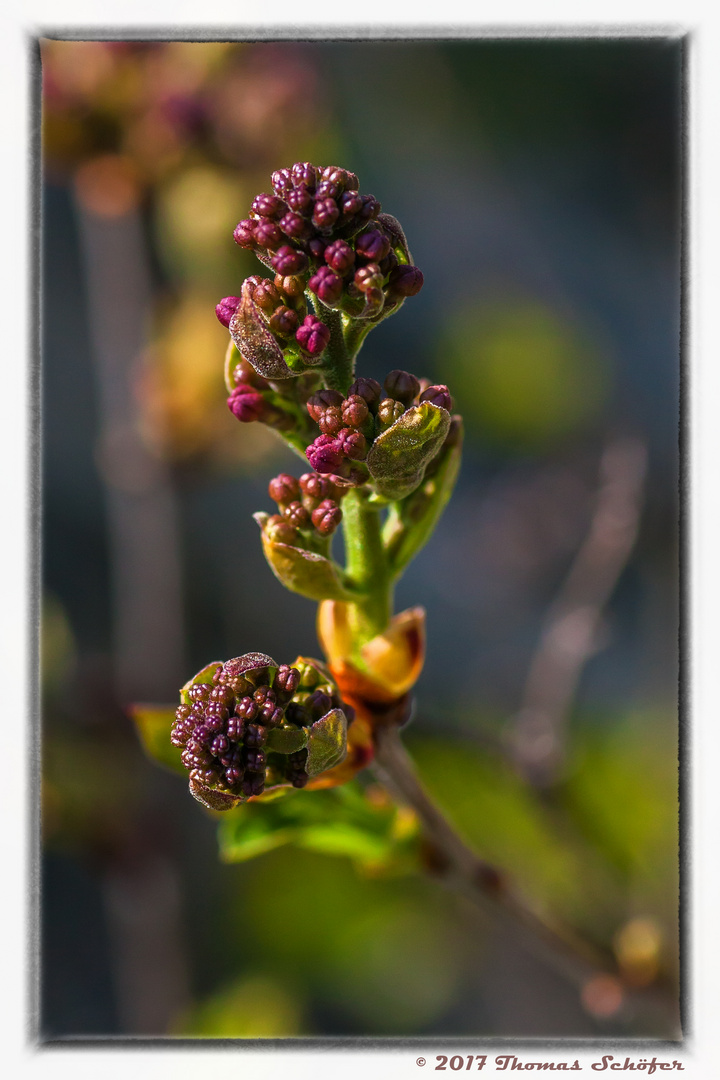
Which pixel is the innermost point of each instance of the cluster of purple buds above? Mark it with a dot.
(223, 728)
(308, 505)
(317, 232)
(349, 425)
(254, 398)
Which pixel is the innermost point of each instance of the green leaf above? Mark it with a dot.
(204, 676)
(399, 456)
(410, 523)
(153, 724)
(305, 572)
(343, 822)
(287, 740)
(327, 742)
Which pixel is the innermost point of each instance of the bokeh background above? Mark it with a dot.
(539, 185)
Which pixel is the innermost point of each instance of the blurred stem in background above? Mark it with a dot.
(570, 631)
(141, 890)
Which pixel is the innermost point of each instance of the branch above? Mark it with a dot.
(570, 631)
(488, 889)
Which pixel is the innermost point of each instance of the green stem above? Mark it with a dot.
(366, 566)
(338, 364)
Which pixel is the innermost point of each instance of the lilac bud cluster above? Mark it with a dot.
(350, 424)
(223, 729)
(308, 505)
(316, 231)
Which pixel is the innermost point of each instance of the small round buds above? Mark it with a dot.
(286, 681)
(354, 444)
(266, 295)
(279, 531)
(244, 233)
(296, 515)
(226, 309)
(405, 281)
(339, 256)
(270, 206)
(402, 386)
(325, 213)
(369, 390)
(284, 322)
(330, 420)
(288, 260)
(372, 246)
(326, 517)
(388, 412)
(438, 395)
(322, 400)
(284, 489)
(313, 335)
(327, 285)
(247, 404)
(354, 411)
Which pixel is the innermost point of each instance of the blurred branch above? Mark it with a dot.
(488, 889)
(570, 632)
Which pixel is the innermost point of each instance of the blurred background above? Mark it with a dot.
(538, 183)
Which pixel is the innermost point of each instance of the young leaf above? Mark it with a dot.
(153, 724)
(287, 740)
(305, 572)
(399, 456)
(410, 523)
(254, 341)
(327, 742)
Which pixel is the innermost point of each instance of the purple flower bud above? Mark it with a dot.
(354, 411)
(350, 204)
(315, 488)
(288, 260)
(326, 517)
(246, 403)
(282, 181)
(269, 206)
(335, 175)
(244, 233)
(354, 444)
(284, 489)
(301, 200)
(254, 735)
(268, 234)
(368, 277)
(327, 285)
(388, 263)
(402, 386)
(325, 454)
(319, 703)
(368, 389)
(304, 173)
(325, 213)
(226, 309)
(295, 226)
(370, 208)
(330, 420)
(296, 515)
(339, 256)
(405, 281)
(313, 336)
(317, 247)
(372, 245)
(438, 395)
(286, 681)
(328, 189)
(284, 322)
(322, 400)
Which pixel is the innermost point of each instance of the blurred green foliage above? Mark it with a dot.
(523, 376)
